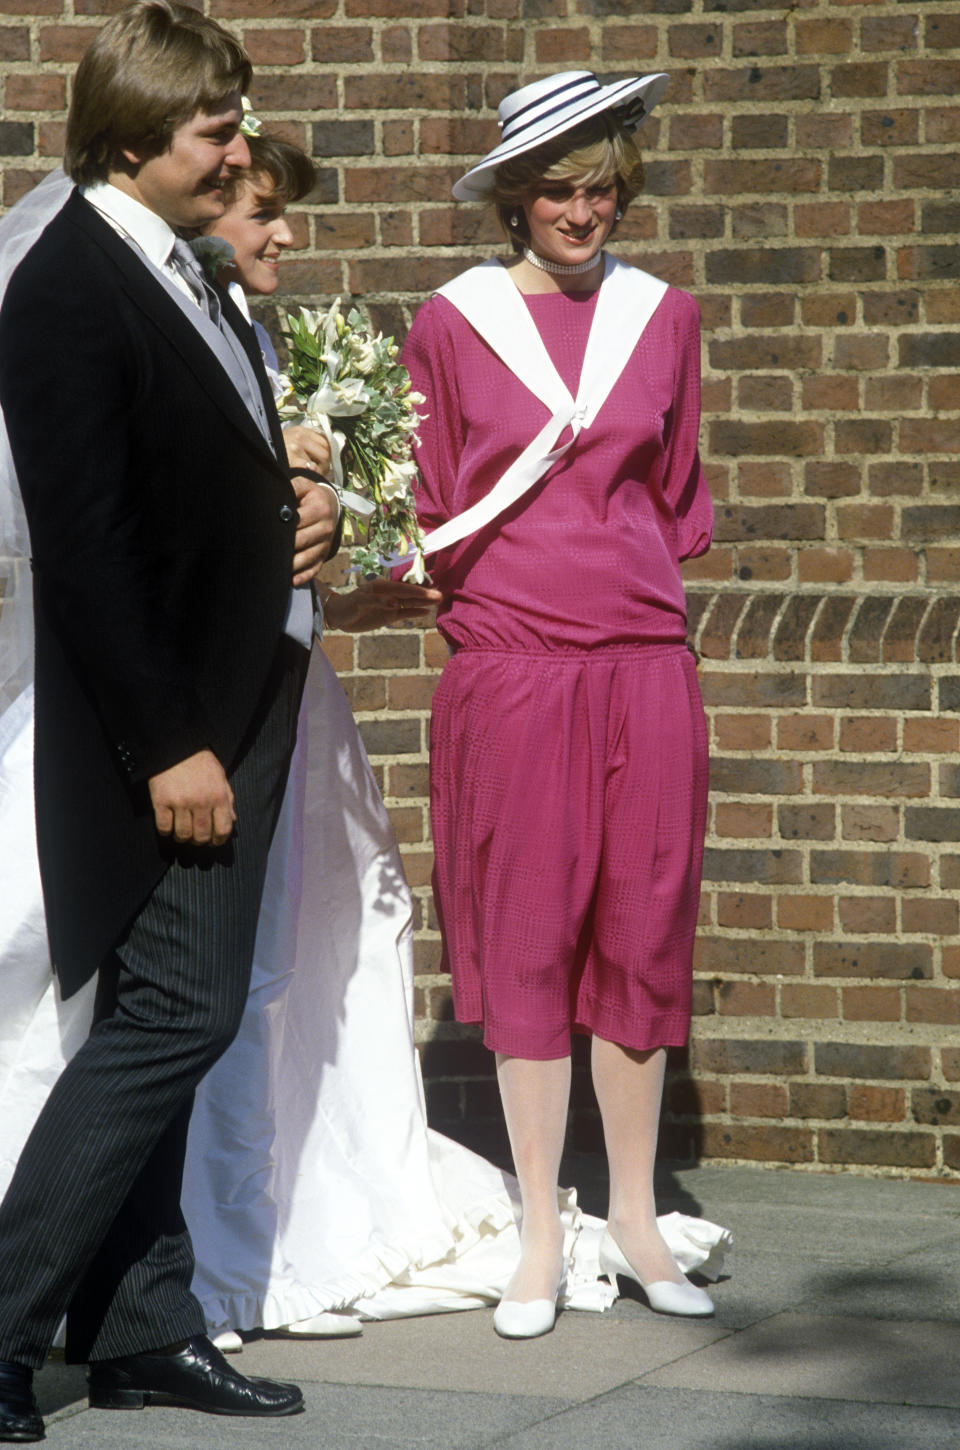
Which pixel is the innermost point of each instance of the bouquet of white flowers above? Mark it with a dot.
(348, 384)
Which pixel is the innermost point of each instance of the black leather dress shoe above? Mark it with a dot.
(196, 1377)
(20, 1420)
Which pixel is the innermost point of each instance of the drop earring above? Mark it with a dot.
(514, 220)
(619, 215)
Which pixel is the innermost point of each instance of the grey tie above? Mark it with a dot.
(186, 263)
(299, 621)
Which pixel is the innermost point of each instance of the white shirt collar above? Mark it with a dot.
(130, 217)
(239, 299)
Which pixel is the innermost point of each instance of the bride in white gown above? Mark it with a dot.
(315, 1192)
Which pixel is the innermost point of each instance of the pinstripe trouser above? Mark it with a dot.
(91, 1223)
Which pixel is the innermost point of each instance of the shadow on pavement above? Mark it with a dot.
(58, 1385)
(898, 1293)
(860, 1336)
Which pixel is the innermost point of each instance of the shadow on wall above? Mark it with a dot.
(463, 1103)
(681, 1131)
(681, 1123)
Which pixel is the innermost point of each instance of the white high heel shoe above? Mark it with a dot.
(663, 1295)
(514, 1320)
(326, 1325)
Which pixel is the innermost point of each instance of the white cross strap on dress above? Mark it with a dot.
(494, 308)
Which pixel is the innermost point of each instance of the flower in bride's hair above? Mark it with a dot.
(251, 125)
(212, 253)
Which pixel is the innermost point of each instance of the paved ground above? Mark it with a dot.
(838, 1328)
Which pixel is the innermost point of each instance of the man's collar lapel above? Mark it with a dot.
(148, 294)
(248, 339)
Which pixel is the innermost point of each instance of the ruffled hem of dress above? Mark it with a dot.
(384, 1285)
(382, 1267)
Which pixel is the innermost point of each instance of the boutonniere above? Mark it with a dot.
(212, 253)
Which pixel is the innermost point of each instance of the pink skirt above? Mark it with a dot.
(568, 795)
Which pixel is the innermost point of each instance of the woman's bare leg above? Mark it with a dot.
(629, 1088)
(535, 1098)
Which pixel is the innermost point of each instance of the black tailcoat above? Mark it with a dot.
(162, 531)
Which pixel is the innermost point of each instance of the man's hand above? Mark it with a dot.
(379, 602)
(193, 802)
(318, 511)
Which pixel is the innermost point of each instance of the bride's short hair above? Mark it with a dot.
(289, 170)
(151, 67)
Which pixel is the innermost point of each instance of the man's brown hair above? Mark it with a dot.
(151, 67)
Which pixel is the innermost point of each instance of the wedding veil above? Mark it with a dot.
(19, 229)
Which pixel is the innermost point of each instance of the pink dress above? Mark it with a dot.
(568, 745)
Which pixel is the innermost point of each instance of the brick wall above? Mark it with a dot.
(802, 183)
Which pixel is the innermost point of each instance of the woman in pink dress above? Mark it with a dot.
(569, 763)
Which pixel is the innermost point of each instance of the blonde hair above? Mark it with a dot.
(152, 67)
(600, 152)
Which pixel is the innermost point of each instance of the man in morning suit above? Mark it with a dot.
(170, 657)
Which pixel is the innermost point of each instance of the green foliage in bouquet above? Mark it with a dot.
(349, 384)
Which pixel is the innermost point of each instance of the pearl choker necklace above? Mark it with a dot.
(562, 269)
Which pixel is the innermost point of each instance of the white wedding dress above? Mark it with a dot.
(312, 1180)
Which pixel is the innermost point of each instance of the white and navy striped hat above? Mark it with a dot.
(546, 108)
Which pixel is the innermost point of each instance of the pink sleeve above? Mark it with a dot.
(684, 485)
(430, 356)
